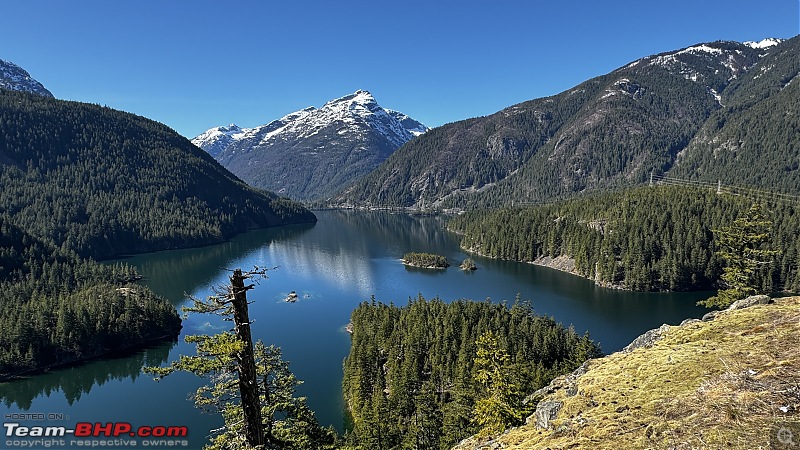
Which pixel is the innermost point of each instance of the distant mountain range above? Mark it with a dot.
(15, 78)
(721, 110)
(313, 153)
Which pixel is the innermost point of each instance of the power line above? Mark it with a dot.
(744, 191)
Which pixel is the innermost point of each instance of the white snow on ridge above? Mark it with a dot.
(700, 48)
(353, 112)
(765, 43)
(716, 96)
(15, 78)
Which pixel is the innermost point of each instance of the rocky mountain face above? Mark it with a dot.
(610, 131)
(314, 152)
(15, 78)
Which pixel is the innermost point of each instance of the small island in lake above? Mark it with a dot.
(425, 260)
(468, 265)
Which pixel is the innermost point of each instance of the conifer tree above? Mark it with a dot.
(496, 411)
(250, 385)
(742, 246)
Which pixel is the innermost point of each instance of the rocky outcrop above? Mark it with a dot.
(648, 339)
(673, 376)
(545, 412)
(749, 301)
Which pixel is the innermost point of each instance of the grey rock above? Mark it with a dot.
(572, 390)
(567, 382)
(688, 321)
(545, 412)
(709, 316)
(648, 339)
(749, 301)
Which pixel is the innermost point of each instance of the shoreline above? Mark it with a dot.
(174, 334)
(562, 263)
(417, 266)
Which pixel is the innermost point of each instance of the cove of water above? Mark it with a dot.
(342, 260)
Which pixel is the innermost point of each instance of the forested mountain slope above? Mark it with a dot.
(646, 238)
(81, 181)
(610, 131)
(102, 182)
(754, 140)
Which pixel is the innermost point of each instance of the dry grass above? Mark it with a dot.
(724, 384)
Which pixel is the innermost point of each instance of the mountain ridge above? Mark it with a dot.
(15, 78)
(313, 152)
(610, 131)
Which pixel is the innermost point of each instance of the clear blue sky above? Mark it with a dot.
(195, 64)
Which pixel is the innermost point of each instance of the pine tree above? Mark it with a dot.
(497, 410)
(250, 385)
(742, 246)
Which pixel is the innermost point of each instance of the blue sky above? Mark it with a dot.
(197, 64)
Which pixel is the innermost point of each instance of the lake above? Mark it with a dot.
(342, 260)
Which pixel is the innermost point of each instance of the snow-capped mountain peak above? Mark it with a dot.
(354, 111)
(15, 78)
(347, 133)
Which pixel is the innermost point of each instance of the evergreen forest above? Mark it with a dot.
(643, 239)
(81, 182)
(422, 259)
(56, 307)
(413, 375)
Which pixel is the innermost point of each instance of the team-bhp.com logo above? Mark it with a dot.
(86, 429)
(87, 434)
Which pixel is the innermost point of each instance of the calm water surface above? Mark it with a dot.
(334, 265)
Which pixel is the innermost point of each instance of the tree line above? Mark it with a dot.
(642, 239)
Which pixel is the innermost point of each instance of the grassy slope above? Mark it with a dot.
(717, 384)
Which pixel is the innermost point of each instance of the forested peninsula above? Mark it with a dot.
(430, 373)
(658, 238)
(81, 182)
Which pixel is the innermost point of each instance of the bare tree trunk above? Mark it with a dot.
(253, 423)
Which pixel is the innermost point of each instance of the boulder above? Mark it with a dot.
(545, 412)
(648, 339)
(749, 301)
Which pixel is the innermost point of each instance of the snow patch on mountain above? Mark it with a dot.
(351, 113)
(703, 48)
(15, 78)
(215, 140)
(765, 43)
